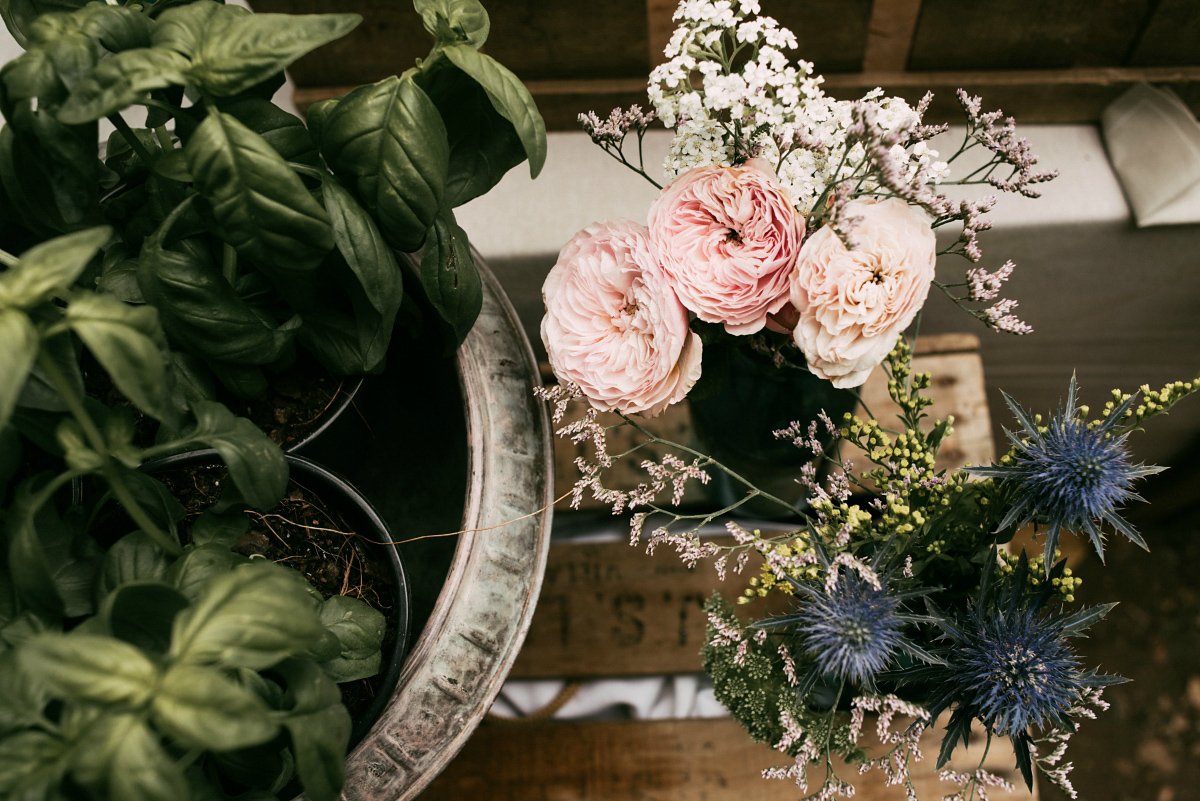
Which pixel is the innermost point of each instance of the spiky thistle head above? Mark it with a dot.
(848, 626)
(1069, 475)
(1008, 662)
(851, 630)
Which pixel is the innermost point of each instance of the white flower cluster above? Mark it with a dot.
(750, 101)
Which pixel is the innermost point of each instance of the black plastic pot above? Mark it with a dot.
(329, 420)
(361, 515)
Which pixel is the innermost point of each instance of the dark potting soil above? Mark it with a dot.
(305, 534)
(295, 403)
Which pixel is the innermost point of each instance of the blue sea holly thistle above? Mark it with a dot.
(1008, 663)
(1069, 474)
(849, 627)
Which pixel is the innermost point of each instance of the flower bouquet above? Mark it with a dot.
(801, 230)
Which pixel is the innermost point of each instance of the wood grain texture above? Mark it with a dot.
(659, 27)
(609, 609)
(674, 760)
(890, 35)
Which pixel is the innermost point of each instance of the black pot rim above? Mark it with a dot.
(342, 401)
(300, 467)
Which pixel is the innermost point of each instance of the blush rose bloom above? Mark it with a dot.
(613, 325)
(727, 239)
(853, 304)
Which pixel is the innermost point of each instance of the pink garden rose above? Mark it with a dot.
(853, 304)
(727, 239)
(614, 326)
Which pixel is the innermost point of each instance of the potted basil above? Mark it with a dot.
(267, 246)
(133, 665)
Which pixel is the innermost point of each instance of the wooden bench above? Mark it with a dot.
(609, 610)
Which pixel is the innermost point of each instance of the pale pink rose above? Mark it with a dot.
(727, 239)
(614, 326)
(853, 304)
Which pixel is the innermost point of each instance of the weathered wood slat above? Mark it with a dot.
(890, 34)
(676, 760)
(659, 27)
(609, 609)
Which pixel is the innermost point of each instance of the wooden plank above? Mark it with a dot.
(890, 35)
(1171, 35)
(609, 609)
(1022, 34)
(675, 760)
(660, 27)
(958, 389)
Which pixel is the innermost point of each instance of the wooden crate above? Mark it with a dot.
(1042, 60)
(610, 610)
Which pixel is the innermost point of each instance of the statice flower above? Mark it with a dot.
(1068, 474)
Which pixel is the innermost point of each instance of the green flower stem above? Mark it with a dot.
(129, 136)
(109, 469)
(8, 259)
(164, 137)
(229, 264)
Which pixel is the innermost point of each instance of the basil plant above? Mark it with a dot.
(132, 666)
(250, 232)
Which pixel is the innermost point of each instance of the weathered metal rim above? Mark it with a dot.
(467, 648)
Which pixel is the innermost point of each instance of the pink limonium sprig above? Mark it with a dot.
(610, 134)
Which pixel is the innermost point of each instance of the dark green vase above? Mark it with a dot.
(736, 424)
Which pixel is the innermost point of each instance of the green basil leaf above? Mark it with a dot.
(319, 727)
(509, 97)
(39, 392)
(185, 28)
(22, 697)
(387, 143)
(242, 380)
(77, 452)
(202, 313)
(123, 339)
(48, 269)
(191, 573)
(358, 627)
(120, 281)
(19, 14)
(154, 497)
(134, 557)
(220, 528)
(73, 54)
(284, 132)
(450, 277)
(88, 667)
(32, 764)
(483, 144)
(455, 21)
(19, 343)
(29, 75)
(316, 115)
(362, 246)
(124, 758)
(256, 465)
(342, 670)
(254, 617)
(141, 614)
(46, 575)
(121, 81)
(261, 207)
(192, 378)
(200, 707)
(252, 48)
(118, 28)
